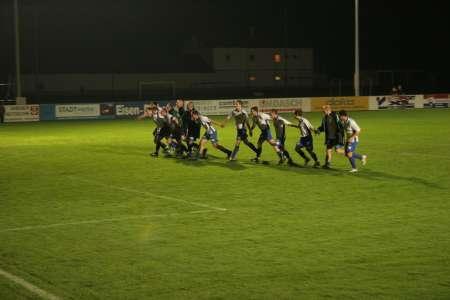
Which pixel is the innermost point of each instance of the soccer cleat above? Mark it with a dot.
(154, 154)
(364, 160)
(255, 160)
(353, 170)
(307, 160)
(316, 164)
(229, 153)
(326, 166)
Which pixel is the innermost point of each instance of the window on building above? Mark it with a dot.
(277, 78)
(277, 57)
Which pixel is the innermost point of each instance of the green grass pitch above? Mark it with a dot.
(86, 213)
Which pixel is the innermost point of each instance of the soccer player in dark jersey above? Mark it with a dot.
(210, 135)
(334, 133)
(306, 138)
(261, 120)
(177, 135)
(280, 124)
(242, 122)
(192, 129)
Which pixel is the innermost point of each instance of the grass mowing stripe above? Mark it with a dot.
(24, 228)
(32, 288)
(426, 155)
(150, 194)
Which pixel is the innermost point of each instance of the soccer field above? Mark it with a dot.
(86, 213)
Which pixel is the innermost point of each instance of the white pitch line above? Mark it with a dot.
(33, 227)
(30, 287)
(149, 194)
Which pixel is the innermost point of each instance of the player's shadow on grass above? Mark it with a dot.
(121, 150)
(364, 173)
(212, 161)
(296, 168)
(377, 175)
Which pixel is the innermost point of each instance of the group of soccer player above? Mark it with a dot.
(178, 130)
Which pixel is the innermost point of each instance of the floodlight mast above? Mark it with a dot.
(17, 49)
(356, 75)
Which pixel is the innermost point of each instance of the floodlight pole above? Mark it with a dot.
(17, 38)
(356, 75)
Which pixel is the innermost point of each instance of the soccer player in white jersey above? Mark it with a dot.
(242, 122)
(162, 122)
(352, 131)
(261, 120)
(279, 123)
(210, 135)
(306, 138)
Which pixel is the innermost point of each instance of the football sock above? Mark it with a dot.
(301, 153)
(352, 162)
(250, 145)
(357, 156)
(313, 155)
(223, 149)
(235, 151)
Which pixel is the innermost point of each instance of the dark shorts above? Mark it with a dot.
(162, 132)
(306, 142)
(241, 134)
(333, 143)
(176, 133)
(193, 132)
(265, 135)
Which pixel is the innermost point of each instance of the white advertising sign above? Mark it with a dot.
(21, 113)
(76, 111)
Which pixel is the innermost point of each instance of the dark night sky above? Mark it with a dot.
(121, 36)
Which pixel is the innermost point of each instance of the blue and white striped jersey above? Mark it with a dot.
(350, 128)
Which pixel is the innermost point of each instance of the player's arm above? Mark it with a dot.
(356, 131)
(249, 126)
(285, 122)
(229, 116)
(146, 114)
(253, 123)
(321, 128)
(216, 123)
(355, 134)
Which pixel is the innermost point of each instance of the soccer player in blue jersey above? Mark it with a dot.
(261, 120)
(352, 131)
(306, 138)
(210, 135)
(242, 122)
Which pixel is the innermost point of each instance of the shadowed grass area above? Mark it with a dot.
(136, 227)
